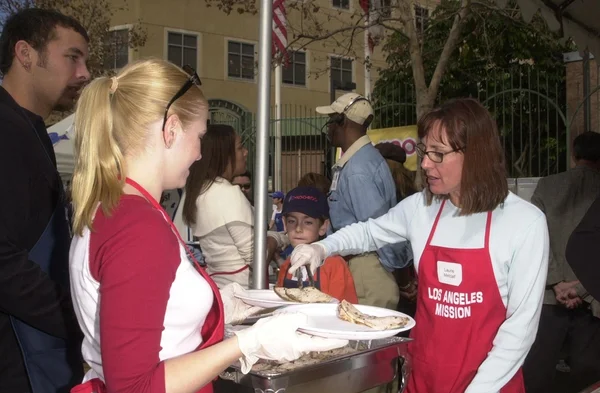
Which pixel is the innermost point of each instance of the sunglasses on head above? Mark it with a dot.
(194, 79)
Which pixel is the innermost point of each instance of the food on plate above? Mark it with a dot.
(274, 366)
(280, 291)
(303, 295)
(348, 312)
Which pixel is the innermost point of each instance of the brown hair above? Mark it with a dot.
(403, 178)
(316, 180)
(469, 127)
(218, 153)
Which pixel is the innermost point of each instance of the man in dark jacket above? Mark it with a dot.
(43, 62)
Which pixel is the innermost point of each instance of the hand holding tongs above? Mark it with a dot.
(311, 280)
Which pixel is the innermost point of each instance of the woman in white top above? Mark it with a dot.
(481, 254)
(217, 211)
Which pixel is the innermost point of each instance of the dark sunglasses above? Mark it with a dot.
(244, 186)
(194, 79)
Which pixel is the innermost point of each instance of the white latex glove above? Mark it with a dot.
(276, 338)
(307, 254)
(236, 310)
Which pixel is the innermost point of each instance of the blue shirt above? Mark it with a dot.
(363, 188)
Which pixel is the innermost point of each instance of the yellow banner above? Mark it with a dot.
(401, 136)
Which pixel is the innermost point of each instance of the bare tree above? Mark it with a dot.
(340, 31)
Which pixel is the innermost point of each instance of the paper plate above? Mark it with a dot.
(324, 322)
(262, 298)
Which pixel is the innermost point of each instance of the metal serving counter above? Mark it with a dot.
(359, 366)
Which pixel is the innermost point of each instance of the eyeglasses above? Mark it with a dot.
(193, 80)
(244, 186)
(434, 156)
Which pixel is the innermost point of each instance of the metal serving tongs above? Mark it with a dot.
(311, 280)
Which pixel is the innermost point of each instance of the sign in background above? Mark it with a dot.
(406, 137)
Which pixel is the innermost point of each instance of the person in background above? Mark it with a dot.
(43, 56)
(306, 218)
(395, 156)
(585, 241)
(244, 182)
(217, 211)
(316, 180)
(566, 321)
(153, 322)
(481, 254)
(362, 187)
(276, 222)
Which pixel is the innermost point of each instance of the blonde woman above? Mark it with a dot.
(152, 321)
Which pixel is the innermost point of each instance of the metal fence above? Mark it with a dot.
(529, 108)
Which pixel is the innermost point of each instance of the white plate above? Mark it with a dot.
(262, 298)
(324, 322)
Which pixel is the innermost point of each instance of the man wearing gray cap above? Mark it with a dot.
(362, 187)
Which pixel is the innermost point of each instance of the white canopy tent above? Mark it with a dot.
(62, 140)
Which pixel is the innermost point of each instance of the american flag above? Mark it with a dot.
(372, 9)
(279, 37)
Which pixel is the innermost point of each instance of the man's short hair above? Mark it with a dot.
(586, 146)
(37, 27)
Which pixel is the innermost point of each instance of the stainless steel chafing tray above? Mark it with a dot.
(363, 365)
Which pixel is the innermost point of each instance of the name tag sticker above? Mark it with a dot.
(334, 181)
(449, 273)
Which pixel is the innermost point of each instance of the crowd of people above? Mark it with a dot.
(501, 289)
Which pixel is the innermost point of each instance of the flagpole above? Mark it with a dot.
(278, 82)
(261, 168)
(367, 61)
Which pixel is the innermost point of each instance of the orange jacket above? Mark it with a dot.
(335, 278)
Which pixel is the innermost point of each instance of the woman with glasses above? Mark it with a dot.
(480, 252)
(152, 321)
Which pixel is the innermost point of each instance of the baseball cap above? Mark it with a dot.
(392, 151)
(306, 200)
(358, 112)
(278, 194)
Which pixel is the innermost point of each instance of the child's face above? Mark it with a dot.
(302, 229)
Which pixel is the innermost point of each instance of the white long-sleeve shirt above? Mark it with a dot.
(518, 249)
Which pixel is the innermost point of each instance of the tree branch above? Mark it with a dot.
(449, 47)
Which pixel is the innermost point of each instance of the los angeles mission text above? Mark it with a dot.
(454, 305)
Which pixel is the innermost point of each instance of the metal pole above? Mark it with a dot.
(367, 64)
(278, 82)
(261, 169)
(587, 107)
(331, 153)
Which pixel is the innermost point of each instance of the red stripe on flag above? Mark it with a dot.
(279, 29)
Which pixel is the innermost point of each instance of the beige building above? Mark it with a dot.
(224, 50)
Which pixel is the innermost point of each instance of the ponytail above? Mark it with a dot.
(113, 121)
(98, 158)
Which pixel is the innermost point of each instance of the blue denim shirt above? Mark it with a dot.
(363, 188)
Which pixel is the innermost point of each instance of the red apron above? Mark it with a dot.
(213, 329)
(459, 312)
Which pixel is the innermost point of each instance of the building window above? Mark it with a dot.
(116, 49)
(343, 4)
(341, 72)
(386, 8)
(240, 60)
(182, 49)
(421, 19)
(295, 72)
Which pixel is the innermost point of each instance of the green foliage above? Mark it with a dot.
(514, 68)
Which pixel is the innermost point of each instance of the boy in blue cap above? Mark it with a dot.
(306, 219)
